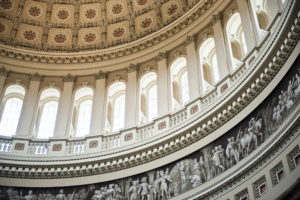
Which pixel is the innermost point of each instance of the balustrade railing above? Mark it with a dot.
(145, 132)
(75, 147)
(5, 145)
(38, 148)
(111, 141)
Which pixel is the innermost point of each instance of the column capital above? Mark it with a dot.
(36, 77)
(161, 56)
(69, 78)
(3, 71)
(101, 75)
(216, 18)
(132, 68)
(190, 39)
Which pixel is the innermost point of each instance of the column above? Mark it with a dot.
(224, 61)
(3, 75)
(192, 68)
(253, 33)
(97, 124)
(29, 105)
(64, 108)
(130, 100)
(162, 85)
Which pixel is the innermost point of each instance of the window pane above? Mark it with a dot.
(152, 102)
(10, 117)
(184, 88)
(119, 113)
(84, 118)
(47, 121)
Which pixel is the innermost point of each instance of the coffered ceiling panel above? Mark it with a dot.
(89, 36)
(62, 13)
(90, 13)
(5, 28)
(34, 10)
(9, 7)
(30, 34)
(60, 37)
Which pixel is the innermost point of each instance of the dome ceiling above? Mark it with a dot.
(75, 25)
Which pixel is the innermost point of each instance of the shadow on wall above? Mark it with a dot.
(193, 170)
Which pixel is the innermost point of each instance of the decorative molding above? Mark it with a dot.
(101, 75)
(36, 77)
(132, 68)
(216, 18)
(161, 56)
(69, 78)
(4, 71)
(189, 39)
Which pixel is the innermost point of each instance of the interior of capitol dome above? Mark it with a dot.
(149, 99)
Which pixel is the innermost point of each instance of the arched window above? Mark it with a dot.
(47, 113)
(148, 97)
(11, 109)
(236, 39)
(83, 111)
(179, 83)
(209, 64)
(115, 112)
(262, 13)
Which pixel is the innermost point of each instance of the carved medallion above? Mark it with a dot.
(93, 144)
(34, 11)
(224, 88)
(19, 146)
(162, 125)
(119, 32)
(128, 137)
(146, 23)
(172, 9)
(57, 147)
(90, 37)
(117, 9)
(29, 35)
(63, 15)
(90, 13)
(5, 4)
(60, 38)
(194, 109)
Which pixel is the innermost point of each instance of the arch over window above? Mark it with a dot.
(179, 83)
(236, 39)
(115, 111)
(148, 97)
(209, 64)
(47, 113)
(83, 111)
(11, 109)
(262, 13)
